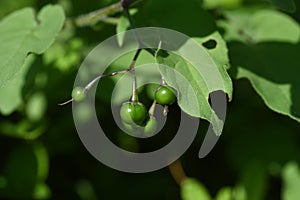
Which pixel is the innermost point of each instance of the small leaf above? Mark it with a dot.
(123, 25)
(23, 129)
(291, 181)
(224, 194)
(41, 191)
(42, 159)
(36, 106)
(191, 189)
(255, 180)
(22, 33)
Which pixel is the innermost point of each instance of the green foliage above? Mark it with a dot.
(272, 69)
(291, 181)
(255, 25)
(21, 34)
(222, 3)
(33, 159)
(11, 94)
(253, 45)
(123, 25)
(195, 83)
(191, 189)
(224, 194)
(36, 106)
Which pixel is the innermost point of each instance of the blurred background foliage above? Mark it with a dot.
(42, 157)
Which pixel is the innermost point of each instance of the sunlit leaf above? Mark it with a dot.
(253, 25)
(22, 33)
(291, 181)
(268, 58)
(191, 189)
(194, 101)
(11, 93)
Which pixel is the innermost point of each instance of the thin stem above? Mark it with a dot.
(132, 26)
(134, 97)
(66, 102)
(91, 83)
(111, 20)
(95, 16)
(177, 172)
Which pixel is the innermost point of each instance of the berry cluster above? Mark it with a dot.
(135, 113)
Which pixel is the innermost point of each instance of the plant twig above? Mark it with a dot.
(134, 97)
(132, 26)
(92, 82)
(177, 172)
(95, 16)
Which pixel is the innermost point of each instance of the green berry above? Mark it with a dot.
(165, 96)
(151, 126)
(133, 113)
(78, 94)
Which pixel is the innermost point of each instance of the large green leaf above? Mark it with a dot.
(253, 25)
(273, 70)
(11, 94)
(291, 181)
(191, 189)
(269, 58)
(22, 33)
(202, 79)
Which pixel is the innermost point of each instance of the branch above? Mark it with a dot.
(177, 172)
(95, 16)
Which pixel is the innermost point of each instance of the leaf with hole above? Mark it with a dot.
(194, 83)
